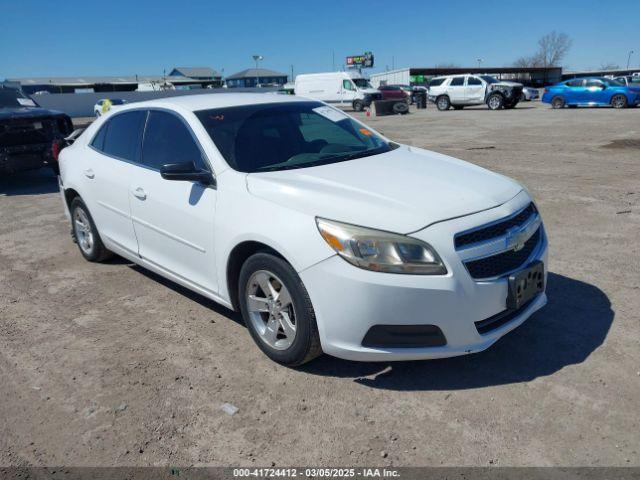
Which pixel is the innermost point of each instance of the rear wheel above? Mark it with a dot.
(557, 102)
(277, 310)
(401, 108)
(443, 103)
(86, 234)
(495, 101)
(619, 101)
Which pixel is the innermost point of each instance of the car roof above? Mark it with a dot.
(207, 101)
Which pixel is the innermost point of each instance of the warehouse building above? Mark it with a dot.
(534, 76)
(204, 78)
(617, 72)
(256, 77)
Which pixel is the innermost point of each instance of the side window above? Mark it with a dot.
(575, 83)
(436, 82)
(348, 85)
(98, 140)
(474, 81)
(123, 135)
(457, 82)
(167, 140)
(593, 83)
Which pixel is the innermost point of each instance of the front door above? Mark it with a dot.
(174, 220)
(348, 91)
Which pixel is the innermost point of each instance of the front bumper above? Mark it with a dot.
(348, 301)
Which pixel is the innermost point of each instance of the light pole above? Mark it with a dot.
(629, 58)
(257, 58)
(479, 60)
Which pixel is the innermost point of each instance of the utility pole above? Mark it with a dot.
(629, 58)
(257, 58)
(333, 60)
(479, 60)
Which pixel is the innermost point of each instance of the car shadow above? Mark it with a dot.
(574, 323)
(32, 182)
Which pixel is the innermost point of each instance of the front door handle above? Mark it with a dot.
(89, 173)
(140, 193)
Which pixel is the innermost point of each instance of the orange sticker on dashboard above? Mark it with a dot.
(366, 132)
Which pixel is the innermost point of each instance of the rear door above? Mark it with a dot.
(456, 90)
(107, 172)
(474, 92)
(174, 220)
(596, 91)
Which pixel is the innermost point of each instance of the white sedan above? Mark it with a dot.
(326, 235)
(103, 105)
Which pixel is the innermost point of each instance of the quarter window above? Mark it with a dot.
(457, 82)
(123, 134)
(167, 140)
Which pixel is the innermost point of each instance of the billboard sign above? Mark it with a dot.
(360, 61)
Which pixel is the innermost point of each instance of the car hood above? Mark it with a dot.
(508, 84)
(402, 191)
(26, 112)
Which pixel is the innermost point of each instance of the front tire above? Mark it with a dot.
(277, 310)
(619, 101)
(443, 103)
(358, 105)
(495, 101)
(86, 234)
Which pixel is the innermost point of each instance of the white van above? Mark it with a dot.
(337, 87)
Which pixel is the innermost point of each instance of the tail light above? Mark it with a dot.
(56, 148)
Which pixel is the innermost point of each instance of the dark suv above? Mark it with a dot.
(29, 134)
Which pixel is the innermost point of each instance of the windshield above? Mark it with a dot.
(362, 82)
(12, 98)
(489, 78)
(283, 136)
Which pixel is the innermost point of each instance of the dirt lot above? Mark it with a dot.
(111, 365)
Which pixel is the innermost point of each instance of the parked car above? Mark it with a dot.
(324, 234)
(28, 133)
(629, 80)
(337, 87)
(529, 94)
(459, 91)
(591, 91)
(103, 105)
(393, 92)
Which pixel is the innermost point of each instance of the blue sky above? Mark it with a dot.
(145, 37)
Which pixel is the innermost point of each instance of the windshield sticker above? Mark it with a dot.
(330, 113)
(26, 102)
(365, 132)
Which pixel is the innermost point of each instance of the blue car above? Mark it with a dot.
(592, 91)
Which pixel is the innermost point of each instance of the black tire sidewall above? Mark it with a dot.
(358, 105)
(557, 102)
(616, 96)
(492, 96)
(443, 97)
(306, 341)
(97, 250)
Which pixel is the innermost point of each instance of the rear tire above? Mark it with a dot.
(495, 101)
(296, 339)
(443, 103)
(86, 234)
(619, 101)
(400, 108)
(557, 102)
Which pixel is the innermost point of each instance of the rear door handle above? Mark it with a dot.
(140, 193)
(89, 173)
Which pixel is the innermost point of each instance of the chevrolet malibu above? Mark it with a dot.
(324, 234)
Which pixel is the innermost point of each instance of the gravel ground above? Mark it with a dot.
(111, 365)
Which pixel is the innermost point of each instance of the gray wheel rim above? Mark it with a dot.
(494, 103)
(271, 310)
(82, 229)
(618, 101)
(442, 104)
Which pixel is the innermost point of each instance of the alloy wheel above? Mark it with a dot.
(271, 310)
(82, 230)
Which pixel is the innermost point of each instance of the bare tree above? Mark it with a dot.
(553, 47)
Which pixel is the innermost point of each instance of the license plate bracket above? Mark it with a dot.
(525, 285)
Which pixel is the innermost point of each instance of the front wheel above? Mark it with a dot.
(443, 103)
(86, 234)
(277, 310)
(358, 105)
(495, 101)
(619, 101)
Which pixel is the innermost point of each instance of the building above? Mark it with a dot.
(534, 76)
(205, 77)
(256, 77)
(198, 73)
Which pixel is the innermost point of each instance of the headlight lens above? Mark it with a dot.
(381, 251)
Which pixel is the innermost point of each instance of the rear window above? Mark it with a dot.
(122, 135)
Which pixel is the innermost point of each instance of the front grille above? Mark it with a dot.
(495, 230)
(505, 262)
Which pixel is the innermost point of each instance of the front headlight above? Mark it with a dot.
(381, 251)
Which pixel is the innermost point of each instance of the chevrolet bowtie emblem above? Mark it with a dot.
(516, 238)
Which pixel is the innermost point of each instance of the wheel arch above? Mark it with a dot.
(238, 255)
(69, 195)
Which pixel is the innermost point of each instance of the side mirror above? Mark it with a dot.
(603, 86)
(186, 171)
